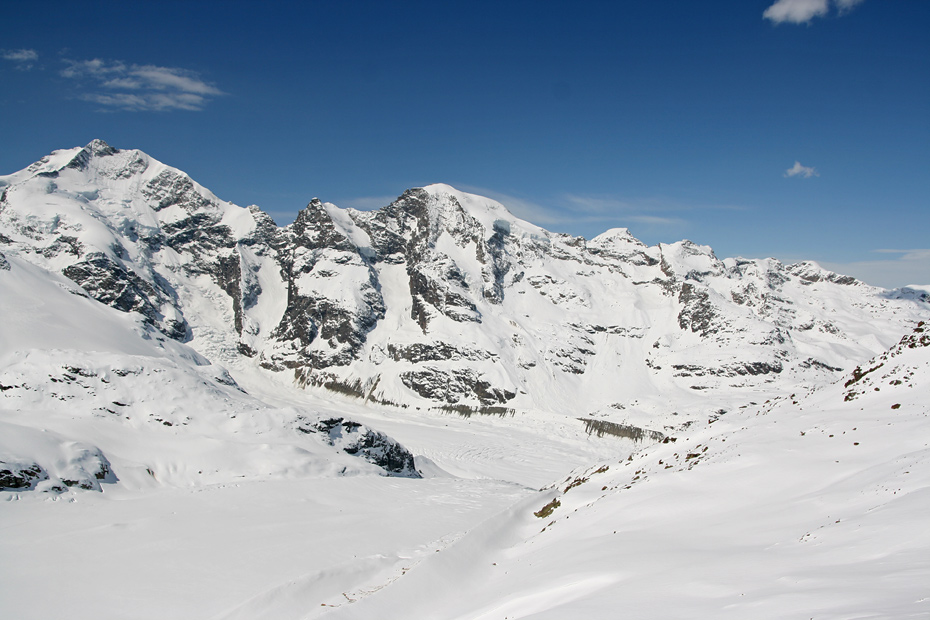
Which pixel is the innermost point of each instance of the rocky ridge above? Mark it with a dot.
(442, 298)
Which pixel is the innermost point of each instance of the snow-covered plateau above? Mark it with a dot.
(437, 410)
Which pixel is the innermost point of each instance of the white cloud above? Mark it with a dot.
(795, 11)
(21, 55)
(802, 171)
(848, 5)
(601, 210)
(140, 87)
(803, 11)
(95, 67)
(148, 101)
(165, 78)
(24, 59)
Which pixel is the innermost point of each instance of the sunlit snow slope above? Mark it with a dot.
(91, 395)
(814, 505)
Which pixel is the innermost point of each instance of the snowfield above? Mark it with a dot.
(813, 505)
(439, 411)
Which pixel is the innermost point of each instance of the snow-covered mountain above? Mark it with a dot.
(91, 395)
(206, 415)
(442, 298)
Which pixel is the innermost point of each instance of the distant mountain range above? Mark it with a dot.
(442, 298)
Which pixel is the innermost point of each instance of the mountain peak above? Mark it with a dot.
(440, 188)
(100, 148)
(811, 272)
(492, 215)
(440, 205)
(94, 148)
(474, 204)
(616, 235)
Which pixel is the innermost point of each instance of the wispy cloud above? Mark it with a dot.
(656, 220)
(367, 203)
(797, 170)
(910, 255)
(521, 207)
(847, 5)
(593, 205)
(600, 211)
(609, 205)
(910, 267)
(24, 59)
(659, 214)
(117, 85)
(803, 11)
(604, 210)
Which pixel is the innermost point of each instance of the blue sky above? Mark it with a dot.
(798, 129)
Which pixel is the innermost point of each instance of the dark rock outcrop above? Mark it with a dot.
(20, 476)
(452, 386)
(370, 445)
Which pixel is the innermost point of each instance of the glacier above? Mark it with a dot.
(205, 414)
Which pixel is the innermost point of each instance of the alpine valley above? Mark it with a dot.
(438, 410)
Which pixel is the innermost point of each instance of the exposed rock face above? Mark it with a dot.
(440, 298)
(333, 299)
(109, 283)
(440, 351)
(407, 231)
(919, 338)
(79, 466)
(375, 447)
(453, 386)
(20, 476)
(810, 273)
(755, 368)
(697, 313)
(169, 188)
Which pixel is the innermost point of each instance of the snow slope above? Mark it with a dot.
(154, 409)
(209, 501)
(812, 505)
